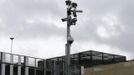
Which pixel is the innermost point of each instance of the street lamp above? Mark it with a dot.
(12, 38)
(71, 19)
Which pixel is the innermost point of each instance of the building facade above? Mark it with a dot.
(122, 68)
(13, 64)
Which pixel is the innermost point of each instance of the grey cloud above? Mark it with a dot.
(15, 13)
(33, 30)
(123, 10)
(38, 6)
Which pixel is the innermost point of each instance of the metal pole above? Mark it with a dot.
(68, 45)
(3, 66)
(11, 58)
(71, 10)
(67, 60)
(11, 44)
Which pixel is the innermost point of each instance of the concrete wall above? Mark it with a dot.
(124, 68)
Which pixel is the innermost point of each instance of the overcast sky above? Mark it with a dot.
(105, 25)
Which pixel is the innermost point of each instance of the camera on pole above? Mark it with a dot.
(68, 2)
(71, 12)
(71, 19)
(70, 40)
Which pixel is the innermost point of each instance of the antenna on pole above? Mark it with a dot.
(71, 19)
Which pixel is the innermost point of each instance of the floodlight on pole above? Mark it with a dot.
(12, 38)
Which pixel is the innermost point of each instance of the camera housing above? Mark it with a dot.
(68, 2)
(73, 21)
(76, 11)
(74, 5)
(70, 40)
(66, 19)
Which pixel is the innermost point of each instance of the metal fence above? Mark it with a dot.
(13, 64)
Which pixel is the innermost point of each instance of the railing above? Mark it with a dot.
(14, 64)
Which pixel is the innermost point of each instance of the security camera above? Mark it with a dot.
(68, 2)
(73, 21)
(70, 40)
(66, 19)
(11, 38)
(74, 5)
(75, 12)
